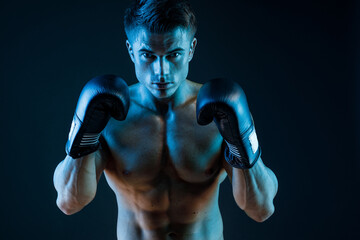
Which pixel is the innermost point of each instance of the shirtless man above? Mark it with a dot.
(163, 166)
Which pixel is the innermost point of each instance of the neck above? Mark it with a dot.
(165, 105)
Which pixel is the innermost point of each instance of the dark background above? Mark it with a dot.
(298, 62)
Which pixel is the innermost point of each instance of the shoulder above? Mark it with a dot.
(134, 91)
(195, 87)
(193, 90)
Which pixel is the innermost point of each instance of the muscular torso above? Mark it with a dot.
(165, 170)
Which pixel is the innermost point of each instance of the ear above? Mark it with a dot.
(130, 50)
(192, 48)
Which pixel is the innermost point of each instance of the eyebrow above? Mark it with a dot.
(177, 50)
(144, 49)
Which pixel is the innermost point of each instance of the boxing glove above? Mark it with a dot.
(101, 98)
(224, 102)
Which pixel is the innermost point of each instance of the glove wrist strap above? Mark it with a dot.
(244, 154)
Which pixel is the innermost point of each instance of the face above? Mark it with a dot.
(161, 60)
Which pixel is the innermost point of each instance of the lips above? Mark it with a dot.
(162, 85)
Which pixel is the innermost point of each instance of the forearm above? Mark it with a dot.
(75, 181)
(254, 190)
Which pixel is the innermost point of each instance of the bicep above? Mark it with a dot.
(224, 163)
(101, 157)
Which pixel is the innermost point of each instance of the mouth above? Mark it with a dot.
(161, 85)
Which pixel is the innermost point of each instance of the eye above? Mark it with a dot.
(174, 55)
(147, 55)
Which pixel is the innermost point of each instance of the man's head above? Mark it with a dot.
(161, 43)
(160, 16)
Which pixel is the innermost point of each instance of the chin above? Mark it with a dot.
(163, 97)
(164, 94)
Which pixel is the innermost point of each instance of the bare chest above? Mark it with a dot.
(146, 146)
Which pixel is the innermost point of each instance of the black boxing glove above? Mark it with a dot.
(225, 102)
(101, 98)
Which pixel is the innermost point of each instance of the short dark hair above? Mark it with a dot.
(160, 16)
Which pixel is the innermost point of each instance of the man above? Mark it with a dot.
(163, 166)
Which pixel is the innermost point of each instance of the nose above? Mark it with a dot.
(161, 68)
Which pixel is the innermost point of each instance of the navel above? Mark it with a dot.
(209, 171)
(172, 235)
(126, 172)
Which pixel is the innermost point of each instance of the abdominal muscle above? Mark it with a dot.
(165, 172)
(173, 209)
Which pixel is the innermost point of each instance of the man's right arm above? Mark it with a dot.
(76, 177)
(75, 181)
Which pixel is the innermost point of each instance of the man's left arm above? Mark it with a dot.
(254, 185)
(254, 189)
